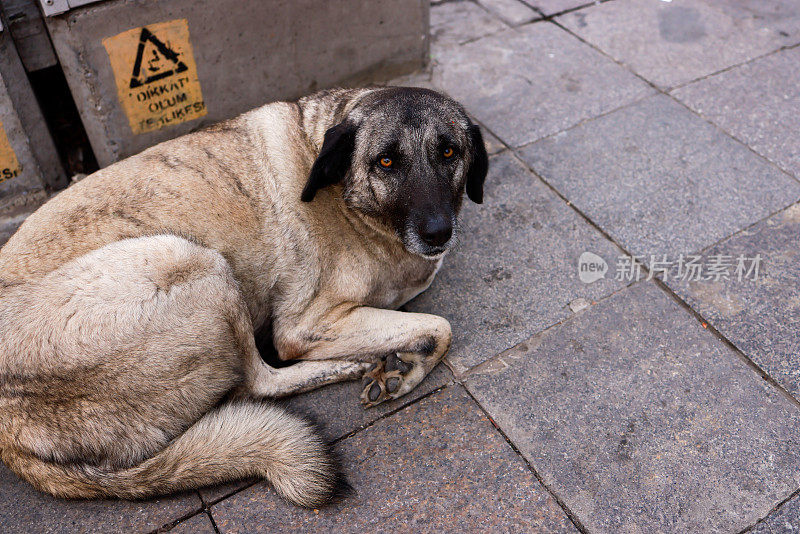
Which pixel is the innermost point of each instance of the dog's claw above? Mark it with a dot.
(383, 381)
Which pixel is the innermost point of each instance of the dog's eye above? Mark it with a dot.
(448, 152)
(385, 162)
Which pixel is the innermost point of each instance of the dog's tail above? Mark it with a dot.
(237, 440)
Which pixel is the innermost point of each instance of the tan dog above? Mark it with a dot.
(128, 303)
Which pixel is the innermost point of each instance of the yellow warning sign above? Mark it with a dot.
(9, 164)
(156, 75)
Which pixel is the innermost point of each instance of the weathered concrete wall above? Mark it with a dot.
(246, 54)
(28, 158)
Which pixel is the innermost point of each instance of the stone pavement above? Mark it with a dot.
(666, 402)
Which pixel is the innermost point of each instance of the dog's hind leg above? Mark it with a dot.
(114, 372)
(261, 380)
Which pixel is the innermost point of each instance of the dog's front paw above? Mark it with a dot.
(391, 377)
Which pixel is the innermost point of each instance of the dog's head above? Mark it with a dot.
(405, 157)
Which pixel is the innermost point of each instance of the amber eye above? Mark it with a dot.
(448, 152)
(386, 162)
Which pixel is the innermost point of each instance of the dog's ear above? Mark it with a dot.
(333, 161)
(478, 167)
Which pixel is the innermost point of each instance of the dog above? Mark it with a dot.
(130, 302)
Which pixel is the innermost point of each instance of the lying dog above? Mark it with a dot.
(128, 304)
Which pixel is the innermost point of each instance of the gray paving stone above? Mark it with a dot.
(760, 317)
(16, 210)
(551, 7)
(457, 22)
(493, 144)
(642, 421)
(436, 466)
(532, 81)
(9, 224)
(672, 43)
(515, 270)
(198, 524)
(213, 494)
(785, 520)
(337, 411)
(659, 179)
(512, 12)
(758, 103)
(23, 509)
(420, 78)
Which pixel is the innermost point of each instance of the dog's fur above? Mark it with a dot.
(128, 303)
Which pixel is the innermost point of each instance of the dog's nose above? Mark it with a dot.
(436, 230)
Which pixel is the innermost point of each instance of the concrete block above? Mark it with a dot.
(30, 35)
(203, 61)
(28, 158)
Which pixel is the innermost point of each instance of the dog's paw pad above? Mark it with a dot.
(385, 381)
(374, 392)
(393, 384)
(393, 363)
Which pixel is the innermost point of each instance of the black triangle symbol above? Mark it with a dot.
(167, 52)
